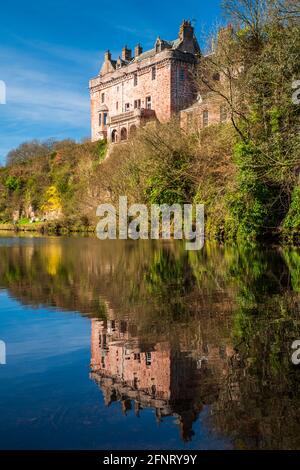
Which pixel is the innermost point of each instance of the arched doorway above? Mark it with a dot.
(132, 130)
(114, 136)
(123, 133)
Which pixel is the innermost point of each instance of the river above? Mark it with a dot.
(143, 345)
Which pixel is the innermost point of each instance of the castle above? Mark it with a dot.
(155, 84)
(171, 379)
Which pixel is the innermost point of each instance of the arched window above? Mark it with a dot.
(123, 133)
(132, 130)
(114, 136)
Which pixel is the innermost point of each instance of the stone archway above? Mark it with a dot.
(123, 133)
(132, 130)
(114, 136)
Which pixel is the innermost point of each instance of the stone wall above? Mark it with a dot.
(193, 118)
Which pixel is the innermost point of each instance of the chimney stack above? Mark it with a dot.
(107, 56)
(138, 50)
(186, 30)
(126, 54)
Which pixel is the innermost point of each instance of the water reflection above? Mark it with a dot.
(178, 332)
(165, 376)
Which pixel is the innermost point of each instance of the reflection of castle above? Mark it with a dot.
(171, 381)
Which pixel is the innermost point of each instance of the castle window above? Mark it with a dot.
(153, 73)
(148, 102)
(102, 97)
(181, 74)
(205, 118)
(104, 119)
(148, 359)
(190, 120)
(114, 136)
(137, 104)
(223, 113)
(132, 130)
(117, 106)
(123, 133)
(127, 106)
(135, 79)
(100, 119)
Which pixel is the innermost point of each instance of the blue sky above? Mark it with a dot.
(49, 49)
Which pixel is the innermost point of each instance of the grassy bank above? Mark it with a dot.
(57, 227)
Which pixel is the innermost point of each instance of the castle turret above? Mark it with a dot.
(126, 54)
(138, 50)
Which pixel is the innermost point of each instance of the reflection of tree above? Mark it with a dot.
(292, 258)
(168, 281)
(259, 406)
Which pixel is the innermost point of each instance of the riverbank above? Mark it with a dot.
(57, 228)
(62, 228)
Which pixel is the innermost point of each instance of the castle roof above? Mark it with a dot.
(186, 43)
(151, 52)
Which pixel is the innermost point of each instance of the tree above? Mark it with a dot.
(256, 61)
(28, 150)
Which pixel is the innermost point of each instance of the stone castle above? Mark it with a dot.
(155, 84)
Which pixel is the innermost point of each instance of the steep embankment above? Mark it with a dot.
(162, 164)
(46, 192)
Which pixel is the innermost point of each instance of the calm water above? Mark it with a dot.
(129, 345)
